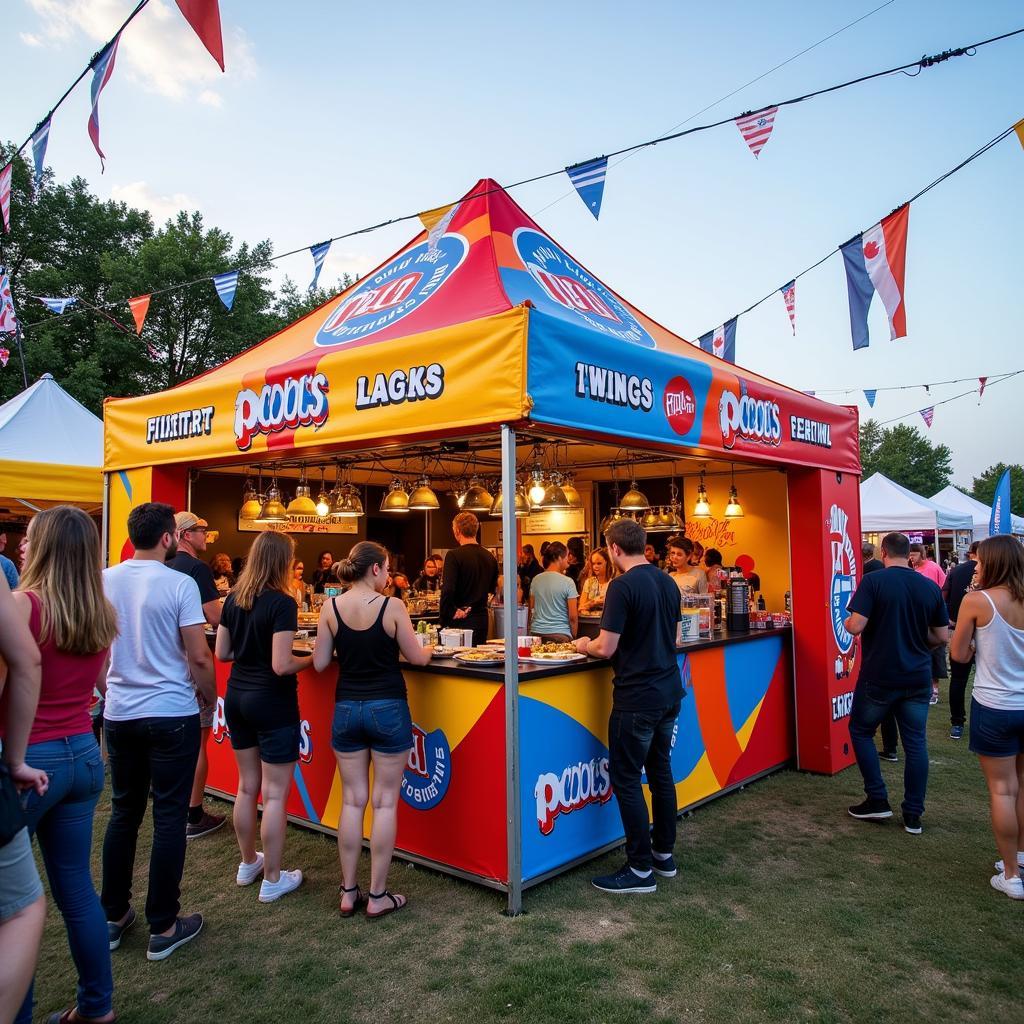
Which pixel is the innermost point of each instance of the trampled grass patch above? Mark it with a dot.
(785, 910)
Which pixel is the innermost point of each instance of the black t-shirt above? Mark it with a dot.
(252, 634)
(642, 606)
(470, 575)
(199, 571)
(427, 584)
(873, 565)
(900, 605)
(957, 582)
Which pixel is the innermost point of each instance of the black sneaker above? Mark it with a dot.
(956, 732)
(185, 930)
(204, 826)
(625, 880)
(871, 810)
(666, 867)
(115, 932)
(888, 755)
(912, 824)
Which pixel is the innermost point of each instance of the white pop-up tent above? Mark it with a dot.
(952, 497)
(51, 450)
(886, 506)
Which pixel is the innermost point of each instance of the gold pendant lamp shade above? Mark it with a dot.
(477, 498)
(273, 510)
(423, 498)
(634, 500)
(251, 504)
(396, 499)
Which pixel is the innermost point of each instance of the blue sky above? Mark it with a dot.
(333, 116)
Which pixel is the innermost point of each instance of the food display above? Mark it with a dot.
(480, 656)
(567, 647)
(440, 651)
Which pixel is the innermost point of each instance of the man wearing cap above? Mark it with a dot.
(191, 536)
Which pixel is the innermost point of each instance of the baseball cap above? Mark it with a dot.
(188, 521)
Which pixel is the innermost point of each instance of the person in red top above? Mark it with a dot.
(74, 627)
(920, 562)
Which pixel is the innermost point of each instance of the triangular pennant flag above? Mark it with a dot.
(204, 17)
(588, 180)
(226, 285)
(4, 356)
(103, 68)
(319, 253)
(789, 297)
(436, 222)
(139, 307)
(1019, 129)
(982, 381)
(757, 128)
(809, 394)
(721, 341)
(57, 306)
(927, 414)
(5, 194)
(869, 394)
(39, 141)
(8, 320)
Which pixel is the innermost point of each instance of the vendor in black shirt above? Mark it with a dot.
(638, 632)
(323, 574)
(429, 580)
(953, 590)
(470, 577)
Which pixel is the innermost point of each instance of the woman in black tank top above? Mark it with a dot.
(366, 631)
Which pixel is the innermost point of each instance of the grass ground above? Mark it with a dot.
(785, 909)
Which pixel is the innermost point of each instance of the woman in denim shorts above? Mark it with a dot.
(992, 620)
(366, 631)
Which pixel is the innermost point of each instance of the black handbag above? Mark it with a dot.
(12, 818)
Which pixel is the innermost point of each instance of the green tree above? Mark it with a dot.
(905, 455)
(984, 487)
(293, 303)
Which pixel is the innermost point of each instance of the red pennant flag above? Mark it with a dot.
(927, 414)
(5, 194)
(982, 381)
(140, 307)
(204, 17)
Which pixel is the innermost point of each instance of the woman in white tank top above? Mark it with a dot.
(991, 620)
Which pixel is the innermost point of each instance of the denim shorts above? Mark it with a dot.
(19, 879)
(996, 732)
(381, 725)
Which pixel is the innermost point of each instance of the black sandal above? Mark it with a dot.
(390, 910)
(350, 912)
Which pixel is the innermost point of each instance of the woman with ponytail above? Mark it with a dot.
(366, 631)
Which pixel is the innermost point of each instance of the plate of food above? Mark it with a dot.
(480, 656)
(549, 657)
(447, 652)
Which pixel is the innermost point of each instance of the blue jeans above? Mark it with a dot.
(871, 703)
(62, 822)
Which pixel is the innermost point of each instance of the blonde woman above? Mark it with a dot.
(992, 619)
(261, 707)
(598, 573)
(74, 627)
(366, 630)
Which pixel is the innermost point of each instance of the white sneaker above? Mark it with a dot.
(248, 873)
(1020, 862)
(288, 882)
(1012, 887)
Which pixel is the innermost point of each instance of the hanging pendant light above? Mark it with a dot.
(522, 504)
(302, 504)
(554, 497)
(634, 500)
(537, 487)
(323, 499)
(396, 499)
(251, 503)
(734, 510)
(477, 498)
(572, 496)
(273, 510)
(423, 497)
(702, 507)
(651, 521)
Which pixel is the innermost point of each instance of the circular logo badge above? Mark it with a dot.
(844, 567)
(393, 292)
(563, 282)
(428, 772)
(680, 405)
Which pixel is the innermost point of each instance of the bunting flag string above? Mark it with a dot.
(5, 194)
(139, 307)
(788, 292)
(869, 394)
(928, 414)
(226, 285)
(756, 128)
(57, 306)
(8, 319)
(204, 17)
(721, 341)
(40, 140)
(103, 69)
(588, 180)
(982, 381)
(992, 382)
(319, 254)
(1019, 129)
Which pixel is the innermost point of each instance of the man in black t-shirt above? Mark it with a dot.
(470, 577)
(638, 633)
(191, 536)
(957, 583)
(871, 564)
(901, 616)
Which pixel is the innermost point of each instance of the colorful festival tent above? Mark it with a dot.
(952, 497)
(51, 449)
(886, 506)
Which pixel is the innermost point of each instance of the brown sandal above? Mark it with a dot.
(390, 910)
(359, 900)
(72, 1016)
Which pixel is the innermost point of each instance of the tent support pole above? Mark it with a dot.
(105, 527)
(510, 608)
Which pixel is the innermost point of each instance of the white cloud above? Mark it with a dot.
(159, 49)
(29, 39)
(162, 207)
(211, 98)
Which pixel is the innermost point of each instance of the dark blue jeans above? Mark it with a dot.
(639, 740)
(158, 755)
(871, 703)
(61, 820)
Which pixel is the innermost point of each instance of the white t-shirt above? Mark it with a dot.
(149, 676)
(691, 581)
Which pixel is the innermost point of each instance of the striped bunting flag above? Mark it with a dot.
(319, 253)
(57, 306)
(869, 394)
(226, 285)
(103, 69)
(5, 354)
(757, 128)
(588, 180)
(721, 341)
(40, 138)
(982, 381)
(8, 320)
(5, 194)
(928, 414)
(789, 297)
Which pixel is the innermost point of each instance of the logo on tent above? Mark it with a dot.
(393, 292)
(844, 567)
(563, 282)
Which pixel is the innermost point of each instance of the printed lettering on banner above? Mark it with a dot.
(180, 426)
(844, 570)
(413, 385)
(680, 405)
(744, 417)
(292, 403)
(220, 724)
(576, 786)
(428, 772)
(614, 387)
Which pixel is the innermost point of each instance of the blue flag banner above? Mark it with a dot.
(319, 253)
(226, 285)
(860, 290)
(57, 306)
(721, 341)
(103, 68)
(869, 394)
(39, 141)
(999, 519)
(588, 180)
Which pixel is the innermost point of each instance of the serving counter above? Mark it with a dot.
(735, 724)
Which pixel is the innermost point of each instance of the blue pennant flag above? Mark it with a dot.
(319, 255)
(57, 306)
(869, 394)
(860, 290)
(999, 519)
(588, 180)
(226, 285)
(39, 141)
(721, 341)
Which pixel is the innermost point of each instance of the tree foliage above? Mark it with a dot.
(905, 455)
(984, 486)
